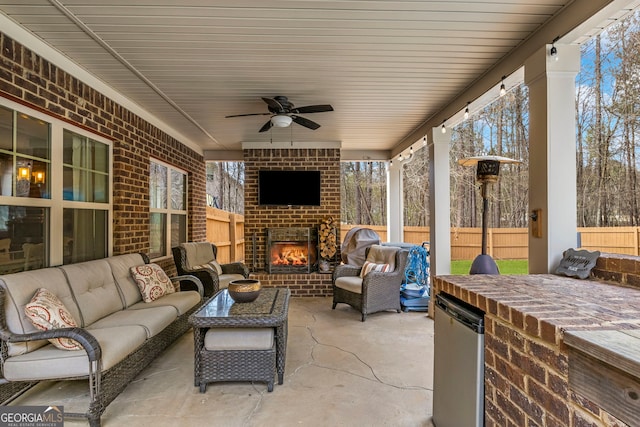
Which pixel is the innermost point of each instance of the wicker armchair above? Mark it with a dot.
(201, 266)
(377, 290)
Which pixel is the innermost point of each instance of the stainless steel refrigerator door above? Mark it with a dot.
(458, 381)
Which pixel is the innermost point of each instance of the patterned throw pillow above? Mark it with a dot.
(47, 312)
(152, 281)
(368, 267)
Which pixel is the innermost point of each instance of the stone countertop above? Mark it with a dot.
(547, 305)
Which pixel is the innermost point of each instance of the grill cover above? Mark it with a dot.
(355, 243)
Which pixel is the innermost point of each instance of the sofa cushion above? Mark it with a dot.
(238, 339)
(120, 268)
(182, 302)
(49, 362)
(153, 319)
(350, 283)
(152, 281)
(19, 289)
(94, 288)
(198, 253)
(47, 312)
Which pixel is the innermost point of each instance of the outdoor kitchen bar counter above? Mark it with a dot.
(558, 350)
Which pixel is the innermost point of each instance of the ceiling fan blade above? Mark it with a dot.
(266, 126)
(250, 114)
(305, 122)
(312, 109)
(273, 104)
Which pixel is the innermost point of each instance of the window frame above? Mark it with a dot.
(169, 211)
(56, 203)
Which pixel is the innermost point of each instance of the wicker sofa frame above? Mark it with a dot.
(208, 277)
(104, 386)
(380, 291)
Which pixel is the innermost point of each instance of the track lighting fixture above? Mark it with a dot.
(400, 158)
(411, 150)
(391, 163)
(424, 141)
(503, 88)
(443, 129)
(466, 111)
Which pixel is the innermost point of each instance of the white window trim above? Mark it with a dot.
(169, 210)
(56, 204)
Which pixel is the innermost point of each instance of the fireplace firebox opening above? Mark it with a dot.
(291, 250)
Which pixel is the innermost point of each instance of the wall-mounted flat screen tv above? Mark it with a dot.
(289, 188)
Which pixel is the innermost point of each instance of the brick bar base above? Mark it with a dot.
(301, 285)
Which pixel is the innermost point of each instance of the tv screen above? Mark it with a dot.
(288, 187)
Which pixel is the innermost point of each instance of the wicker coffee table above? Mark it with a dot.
(269, 310)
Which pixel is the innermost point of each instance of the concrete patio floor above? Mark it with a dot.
(339, 372)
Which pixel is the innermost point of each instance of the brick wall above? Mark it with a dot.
(257, 218)
(623, 269)
(526, 361)
(31, 80)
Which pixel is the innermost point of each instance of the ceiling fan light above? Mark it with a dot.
(281, 120)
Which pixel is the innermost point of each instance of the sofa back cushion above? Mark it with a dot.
(121, 270)
(19, 289)
(95, 290)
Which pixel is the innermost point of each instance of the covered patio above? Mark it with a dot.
(339, 372)
(147, 89)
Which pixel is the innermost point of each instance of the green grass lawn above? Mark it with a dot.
(506, 266)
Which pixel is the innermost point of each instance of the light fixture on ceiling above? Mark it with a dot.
(466, 111)
(411, 150)
(400, 158)
(443, 129)
(503, 88)
(281, 120)
(424, 141)
(553, 52)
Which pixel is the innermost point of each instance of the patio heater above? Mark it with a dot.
(488, 168)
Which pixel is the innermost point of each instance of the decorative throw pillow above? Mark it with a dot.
(216, 266)
(46, 311)
(368, 267)
(152, 281)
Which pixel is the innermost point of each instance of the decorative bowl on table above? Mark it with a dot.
(244, 290)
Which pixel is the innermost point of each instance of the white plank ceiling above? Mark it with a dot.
(385, 66)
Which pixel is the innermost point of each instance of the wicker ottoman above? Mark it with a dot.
(237, 354)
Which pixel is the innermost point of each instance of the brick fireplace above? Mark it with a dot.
(260, 218)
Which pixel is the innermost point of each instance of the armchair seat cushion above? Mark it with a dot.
(349, 283)
(50, 362)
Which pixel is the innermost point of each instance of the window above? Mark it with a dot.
(168, 208)
(54, 191)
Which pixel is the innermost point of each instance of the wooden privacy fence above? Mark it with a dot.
(226, 230)
(513, 243)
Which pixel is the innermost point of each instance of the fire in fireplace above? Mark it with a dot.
(291, 250)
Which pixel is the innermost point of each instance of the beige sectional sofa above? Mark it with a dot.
(119, 332)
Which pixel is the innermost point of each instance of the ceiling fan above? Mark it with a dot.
(283, 112)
